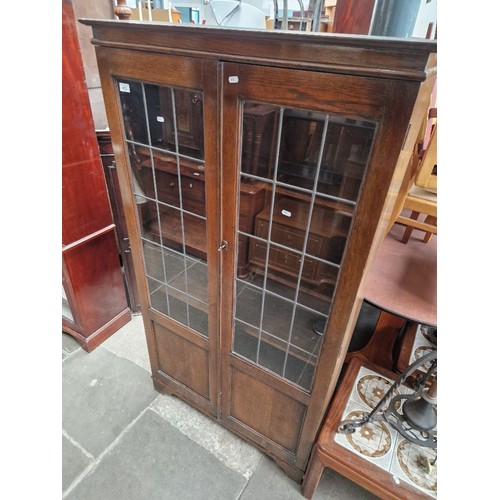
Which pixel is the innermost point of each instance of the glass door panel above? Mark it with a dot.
(305, 169)
(164, 135)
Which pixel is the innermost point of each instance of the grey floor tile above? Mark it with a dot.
(102, 394)
(69, 344)
(334, 486)
(153, 460)
(270, 483)
(74, 461)
(170, 450)
(130, 343)
(195, 282)
(222, 443)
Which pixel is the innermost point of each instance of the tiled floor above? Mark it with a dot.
(123, 440)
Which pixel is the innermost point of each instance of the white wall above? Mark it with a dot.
(427, 14)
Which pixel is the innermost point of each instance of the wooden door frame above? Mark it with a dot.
(375, 99)
(164, 69)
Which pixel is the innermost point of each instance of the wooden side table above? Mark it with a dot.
(403, 285)
(403, 280)
(381, 461)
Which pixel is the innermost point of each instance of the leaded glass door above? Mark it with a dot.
(169, 188)
(309, 169)
(302, 159)
(170, 176)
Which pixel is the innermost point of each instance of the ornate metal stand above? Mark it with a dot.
(412, 415)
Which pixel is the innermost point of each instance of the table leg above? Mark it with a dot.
(312, 475)
(379, 349)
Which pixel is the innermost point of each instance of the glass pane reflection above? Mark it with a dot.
(164, 133)
(301, 173)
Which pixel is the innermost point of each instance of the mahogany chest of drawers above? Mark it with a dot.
(325, 240)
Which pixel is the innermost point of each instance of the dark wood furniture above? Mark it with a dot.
(115, 199)
(376, 478)
(353, 16)
(327, 233)
(381, 18)
(94, 300)
(191, 183)
(242, 349)
(403, 284)
(403, 280)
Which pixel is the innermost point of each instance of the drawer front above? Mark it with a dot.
(167, 186)
(290, 238)
(295, 239)
(193, 192)
(193, 188)
(258, 253)
(291, 262)
(287, 261)
(193, 195)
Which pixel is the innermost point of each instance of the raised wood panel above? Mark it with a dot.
(94, 275)
(173, 351)
(354, 96)
(150, 67)
(84, 198)
(84, 195)
(279, 417)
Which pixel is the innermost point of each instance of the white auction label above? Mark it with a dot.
(124, 87)
(286, 213)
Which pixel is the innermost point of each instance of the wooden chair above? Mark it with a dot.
(419, 192)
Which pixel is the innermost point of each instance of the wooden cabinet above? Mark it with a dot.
(258, 171)
(326, 239)
(94, 301)
(353, 16)
(115, 199)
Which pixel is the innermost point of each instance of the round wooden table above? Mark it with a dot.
(403, 280)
